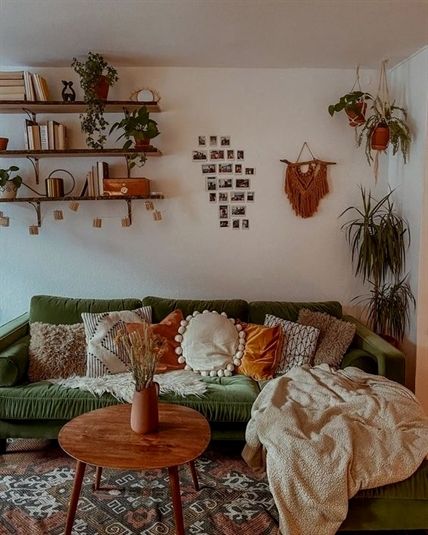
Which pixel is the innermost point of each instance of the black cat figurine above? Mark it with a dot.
(68, 94)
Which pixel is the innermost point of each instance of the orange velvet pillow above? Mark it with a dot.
(168, 328)
(262, 351)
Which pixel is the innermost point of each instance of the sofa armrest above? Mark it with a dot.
(13, 330)
(14, 362)
(390, 361)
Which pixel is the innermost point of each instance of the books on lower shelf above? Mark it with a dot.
(23, 85)
(49, 136)
(95, 179)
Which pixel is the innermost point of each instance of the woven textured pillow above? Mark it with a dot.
(210, 343)
(335, 336)
(56, 351)
(103, 356)
(300, 342)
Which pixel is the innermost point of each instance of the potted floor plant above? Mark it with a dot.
(379, 238)
(96, 76)
(9, 184)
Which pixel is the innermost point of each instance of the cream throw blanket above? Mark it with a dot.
(327, 434)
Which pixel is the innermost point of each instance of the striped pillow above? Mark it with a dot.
(102, 355)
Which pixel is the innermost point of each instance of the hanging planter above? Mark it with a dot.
(380, 137)
(356, 114)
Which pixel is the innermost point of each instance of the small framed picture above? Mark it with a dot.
(212, 197)
(250, 171)
(198, 155)
(242, 183)
(250, 196)
(225, 168)
(236, 224)
(245, 224)
(217, 154)
(225, 183)
(230, 154)
(238, 210)
(223, 196)
(237, 196)
(238, 168)
(213, 141)
(224, 223)
(239, 154)
(202, 141)
(208, 168)
(223, 211)
(211, 183)
(225, 141)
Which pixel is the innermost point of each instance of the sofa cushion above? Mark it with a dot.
(289, 310)
(234, 308)
(52, 309)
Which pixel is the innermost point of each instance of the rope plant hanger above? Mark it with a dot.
(305, 189)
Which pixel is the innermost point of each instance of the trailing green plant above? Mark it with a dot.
(90, 71)
(379, 238)
(349, 102)
(6, 176)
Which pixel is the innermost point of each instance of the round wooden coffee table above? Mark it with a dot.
(104, 438)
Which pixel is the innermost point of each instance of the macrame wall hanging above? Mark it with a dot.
(305, 188)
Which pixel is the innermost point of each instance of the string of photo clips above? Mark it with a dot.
(227, 180)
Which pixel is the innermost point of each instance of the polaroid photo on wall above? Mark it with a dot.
(242, 183)
(225, 141)
(211, 183)
(225, 183)
(223, 211)
(224, 223)
(238, 210)
(212, 197)
(198, 155)
(236, 224)
(217, 154)
(230, 154)
(238, 169)
(202, 141)
(223, 196)
(225, 168)
(250, 196)
(239, 154)
(208, 168)
(237, 196)
(213, 141)
(250, 171)
(245, 224)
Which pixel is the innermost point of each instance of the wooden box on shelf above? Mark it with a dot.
(126, 186)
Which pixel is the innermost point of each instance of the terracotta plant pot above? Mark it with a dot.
(3, 143)
(356, 114)
(139, 143)
(8, 191)
(144, 411)
(101, 88)
(380, 137)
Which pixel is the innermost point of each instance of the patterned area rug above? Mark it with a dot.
(36, 479)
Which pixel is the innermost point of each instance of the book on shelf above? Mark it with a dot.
(36, 137)
(12, 96)
(29, 87)
(41, 87)
(84, 190)
(12, 83)
(51, 134)
(61, 135)
(12, 90)
(44, 140)
(11, 75)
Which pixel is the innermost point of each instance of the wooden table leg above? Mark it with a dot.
(75, 493)
(97, 479)
(194, 475)
(174, 484)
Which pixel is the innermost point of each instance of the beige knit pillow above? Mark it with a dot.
(56, 351)
(334, 339)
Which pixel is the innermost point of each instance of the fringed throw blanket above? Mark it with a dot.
(326, 434)
(305, 189)
(122, 385)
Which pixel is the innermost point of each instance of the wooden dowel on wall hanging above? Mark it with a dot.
(308, 162)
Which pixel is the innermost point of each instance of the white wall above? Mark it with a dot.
(268, 113)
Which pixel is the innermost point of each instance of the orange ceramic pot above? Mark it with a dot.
(101, 87)
(140, 143)
(380, 137)
(145, 410)
(356, 114)
(3, 143)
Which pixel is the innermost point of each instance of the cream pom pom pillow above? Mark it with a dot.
(210, 343)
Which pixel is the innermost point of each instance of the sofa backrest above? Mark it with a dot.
(161, 307)
(288, 310)
(67, 310)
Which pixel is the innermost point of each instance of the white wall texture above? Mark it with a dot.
(268, 113)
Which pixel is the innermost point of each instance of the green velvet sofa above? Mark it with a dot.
(32, 410)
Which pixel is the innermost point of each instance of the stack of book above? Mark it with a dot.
(49, 136)
(23, 85)
(95, 180)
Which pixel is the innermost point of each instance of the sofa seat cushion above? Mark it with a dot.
(228, 399)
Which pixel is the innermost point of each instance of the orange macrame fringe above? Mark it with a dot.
(305, 189)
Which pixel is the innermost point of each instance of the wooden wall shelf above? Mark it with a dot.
(57, 106)
(149, 150)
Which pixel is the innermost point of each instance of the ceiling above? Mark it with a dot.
(213, 33)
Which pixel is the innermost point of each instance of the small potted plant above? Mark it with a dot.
(96, 76)
(9, 185)
(354, 104)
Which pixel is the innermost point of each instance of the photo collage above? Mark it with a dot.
(228, 181)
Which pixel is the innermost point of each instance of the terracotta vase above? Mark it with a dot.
(356, 114)
(380, 137)
(101, 87)
(144, 410)
(8, 191)
(140, 143)
(3, 143)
